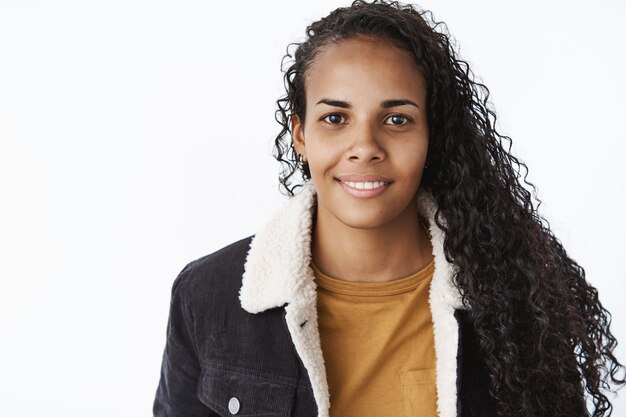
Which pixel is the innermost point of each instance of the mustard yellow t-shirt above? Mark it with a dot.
(378, 345)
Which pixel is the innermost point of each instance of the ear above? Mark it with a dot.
(297, 135)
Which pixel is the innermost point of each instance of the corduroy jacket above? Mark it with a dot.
(242, 334)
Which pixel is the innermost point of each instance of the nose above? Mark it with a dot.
(366, 146)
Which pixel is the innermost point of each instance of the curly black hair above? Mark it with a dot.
(542, 330)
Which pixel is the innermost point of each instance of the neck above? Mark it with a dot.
(391, 251)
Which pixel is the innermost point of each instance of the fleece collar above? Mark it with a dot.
(277, 272)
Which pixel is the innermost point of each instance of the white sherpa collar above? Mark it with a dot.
(277, 272)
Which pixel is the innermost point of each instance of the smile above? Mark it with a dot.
(364, 189)
(364, 185)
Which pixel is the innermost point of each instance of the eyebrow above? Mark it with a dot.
(386, 104)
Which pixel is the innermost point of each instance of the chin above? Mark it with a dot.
(363, 220)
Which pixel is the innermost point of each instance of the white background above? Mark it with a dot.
(136, 136)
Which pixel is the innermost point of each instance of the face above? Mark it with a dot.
(365, 123)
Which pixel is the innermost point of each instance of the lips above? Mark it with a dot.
(364, 178)
(364, 186)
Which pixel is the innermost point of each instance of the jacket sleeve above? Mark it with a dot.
(180, 368)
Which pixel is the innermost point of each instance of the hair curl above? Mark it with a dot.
(539, 322)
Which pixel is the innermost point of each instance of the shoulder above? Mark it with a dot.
(218, 271)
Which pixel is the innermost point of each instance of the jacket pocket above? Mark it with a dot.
(419, 393)
(243, 392)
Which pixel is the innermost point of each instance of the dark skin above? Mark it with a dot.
(366, 239)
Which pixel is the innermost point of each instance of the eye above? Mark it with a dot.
(399, 117)
(333, 118)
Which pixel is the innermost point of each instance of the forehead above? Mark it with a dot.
(364, 67)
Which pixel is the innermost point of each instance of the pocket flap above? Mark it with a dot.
(256, 393)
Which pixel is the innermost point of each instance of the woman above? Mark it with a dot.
(411, 274)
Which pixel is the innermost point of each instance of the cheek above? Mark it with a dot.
(321, 154)
(412, 160)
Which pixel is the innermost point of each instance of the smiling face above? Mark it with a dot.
(365, 120)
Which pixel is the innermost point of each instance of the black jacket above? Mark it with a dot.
(242, 335)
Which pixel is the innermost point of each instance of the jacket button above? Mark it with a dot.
(233, 405)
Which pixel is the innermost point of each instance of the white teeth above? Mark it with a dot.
(364, 185)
